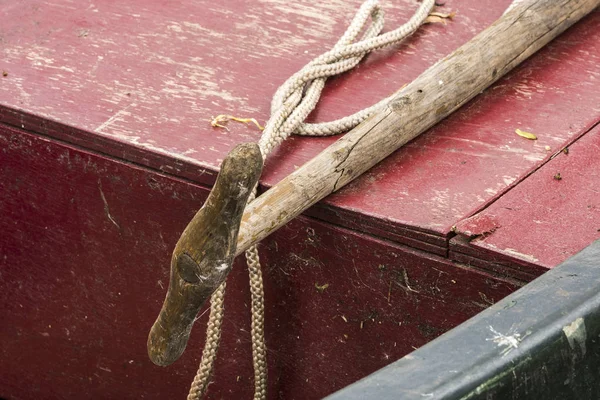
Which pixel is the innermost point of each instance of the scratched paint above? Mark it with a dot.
(72, 280)
(576, 334)
(140, 80)
(507, 342)
(542, 221)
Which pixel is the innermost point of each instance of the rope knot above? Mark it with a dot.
(299, 95)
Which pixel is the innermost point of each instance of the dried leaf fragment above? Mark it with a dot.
(220, 121)
(321, 288)
(526, 135)
(438, 17)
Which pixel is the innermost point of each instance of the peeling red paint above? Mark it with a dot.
(113, 153)
(477, 225)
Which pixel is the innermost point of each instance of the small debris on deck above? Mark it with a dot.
(321, 288)
(557, 176)
(438, 17)
(526, 135)
(220, 121)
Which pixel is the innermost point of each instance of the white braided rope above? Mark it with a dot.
(209, 353)
(291, 104)
(259, 349)
(299, 95)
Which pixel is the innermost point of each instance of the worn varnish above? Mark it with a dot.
(114, 73)
(86, 246)
(106, 153)
(413, 109)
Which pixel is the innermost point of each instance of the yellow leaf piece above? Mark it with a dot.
(526, 135)
(220, 121)
(321, 288)
(438, 17)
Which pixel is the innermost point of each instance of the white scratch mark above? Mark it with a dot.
(534, 157)
(201, 278)
(243, 189)
(106, 210)
(509, 342)
(517, 254)
(96, 64)
(204, 31)
(491, 191)
(201, 315)
(222, 267)
(508, 180)
(576, 334)
(114, 118)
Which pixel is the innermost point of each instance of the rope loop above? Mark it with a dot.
(291, 104)
(299, 95)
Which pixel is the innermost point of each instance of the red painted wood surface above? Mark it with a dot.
(116, 153)
(140, 80)
(86, 243)
(551, 215)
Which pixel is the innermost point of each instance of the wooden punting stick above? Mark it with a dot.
(203, 255)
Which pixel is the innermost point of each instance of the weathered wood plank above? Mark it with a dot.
(439, 91)
(84, 268)
(140, 70)
(551, 215)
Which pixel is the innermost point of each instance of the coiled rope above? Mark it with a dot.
(290, 106)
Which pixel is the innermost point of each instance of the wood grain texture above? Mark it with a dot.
(204, 253)
(435, 94)
(152, 76)
(149, 75)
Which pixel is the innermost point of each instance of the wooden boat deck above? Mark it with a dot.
(107, 151)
